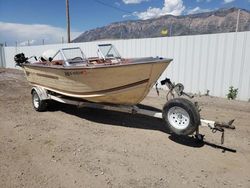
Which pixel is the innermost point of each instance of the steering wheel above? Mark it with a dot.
(76, 58)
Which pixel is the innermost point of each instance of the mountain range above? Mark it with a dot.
(218, 21)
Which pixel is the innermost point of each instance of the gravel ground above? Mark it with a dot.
(70, 147)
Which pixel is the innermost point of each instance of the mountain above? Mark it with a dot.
(219, 21)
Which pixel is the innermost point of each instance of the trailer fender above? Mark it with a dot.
(42, 93)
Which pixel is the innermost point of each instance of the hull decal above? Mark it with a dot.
(42, 75)
(47, 76)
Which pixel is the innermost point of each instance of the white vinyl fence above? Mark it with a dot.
(211, 62)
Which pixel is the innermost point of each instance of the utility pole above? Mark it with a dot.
(237, 23)
(68, 20)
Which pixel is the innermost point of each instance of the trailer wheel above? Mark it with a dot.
(181, 116)
(38, 104)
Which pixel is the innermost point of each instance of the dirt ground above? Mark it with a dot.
(71, 147)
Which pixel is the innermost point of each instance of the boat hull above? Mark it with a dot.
(126, 84)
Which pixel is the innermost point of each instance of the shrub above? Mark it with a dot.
(232, 93)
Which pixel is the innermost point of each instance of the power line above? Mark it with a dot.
(112, 6)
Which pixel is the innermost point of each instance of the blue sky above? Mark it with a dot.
(37, 20)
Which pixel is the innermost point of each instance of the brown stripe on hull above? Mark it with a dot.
(100, 91)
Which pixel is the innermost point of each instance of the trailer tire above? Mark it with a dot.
(38, 104)
(181, 116)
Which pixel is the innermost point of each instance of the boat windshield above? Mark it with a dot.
(73, 55)
(108, 51)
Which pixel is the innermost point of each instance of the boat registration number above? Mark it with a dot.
(71, 73)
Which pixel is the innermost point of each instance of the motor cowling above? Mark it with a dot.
(20, 59)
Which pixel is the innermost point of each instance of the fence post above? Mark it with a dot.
(2, 56)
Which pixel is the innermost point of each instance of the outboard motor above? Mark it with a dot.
(20, 59)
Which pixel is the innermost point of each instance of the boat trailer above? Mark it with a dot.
(182, 116)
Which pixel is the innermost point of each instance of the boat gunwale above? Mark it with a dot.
(167, 60)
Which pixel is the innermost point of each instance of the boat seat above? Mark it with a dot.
(56, 62)
(96, 61)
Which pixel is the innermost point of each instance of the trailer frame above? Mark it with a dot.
(45, 95)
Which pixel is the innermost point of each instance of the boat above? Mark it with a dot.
(111, 82)
(108, 78)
